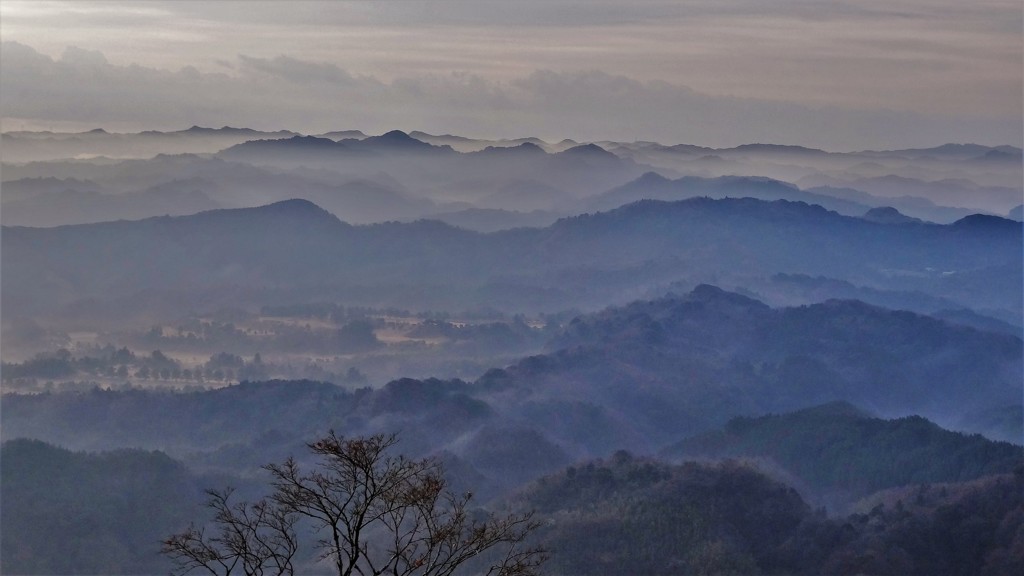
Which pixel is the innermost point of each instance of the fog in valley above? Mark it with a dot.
(321, 348)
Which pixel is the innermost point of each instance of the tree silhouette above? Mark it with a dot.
(256, 539)
(376, 513)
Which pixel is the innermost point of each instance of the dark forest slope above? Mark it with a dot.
(837, 448)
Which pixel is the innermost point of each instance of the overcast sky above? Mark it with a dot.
(831, 74)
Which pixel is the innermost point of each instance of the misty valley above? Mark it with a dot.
(613, 357)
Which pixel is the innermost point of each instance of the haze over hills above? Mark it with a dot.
(296, 245)
(550, 321)
(653, 186)
(638, 377)
(36, 146)
(950, 191)
(941, 184)
(114, 192)
(615, 385)
(566, 288)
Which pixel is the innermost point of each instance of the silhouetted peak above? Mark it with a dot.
(996, 155)
(293, 205)
(651, 179)
(752, 180)
(887, 215)
(777, 148)
(985, 222)
(524, 149)
(708, 293)
(948, 149)
(340, 134)
(690, 148)
(705, 291)
(395, 136)
(236, 131)
(295, 208)
(397, 139)
(233, 130)
(221, 130)
(954, 148)
(308, 140)
(588, 151)
(746, 207)
(296, 211)
(292, 142)
(528, 147)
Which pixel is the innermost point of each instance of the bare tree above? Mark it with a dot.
(257, 539)
(376, 513)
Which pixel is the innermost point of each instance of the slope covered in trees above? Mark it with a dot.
(677, 364)
(638, 516)
(79, 513)
(839, 450)
(638, 377)
(634, 515)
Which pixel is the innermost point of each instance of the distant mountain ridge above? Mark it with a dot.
(846, 201)
(653, 186)
(272, 247)
(298, 147)
(450, 168)
(950, 192)
(29, 146)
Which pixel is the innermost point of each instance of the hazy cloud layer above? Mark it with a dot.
(83, 88)
(840, 75)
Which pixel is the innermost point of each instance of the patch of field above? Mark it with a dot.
(312, 323)
(187, 360)
(399, 336)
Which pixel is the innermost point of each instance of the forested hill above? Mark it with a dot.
(838, 448)
(675, 364)
(294, 245)
(638, 377)
(106, 513)
(730, 519)
(77, 513)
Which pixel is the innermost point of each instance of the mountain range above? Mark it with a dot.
(680, 359)
(297, 246)
(941, 184)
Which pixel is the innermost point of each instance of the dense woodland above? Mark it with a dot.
(621, 514)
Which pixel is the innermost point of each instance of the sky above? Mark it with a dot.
(838, 75)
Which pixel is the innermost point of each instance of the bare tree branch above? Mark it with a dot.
(377, 513)
(255, 538)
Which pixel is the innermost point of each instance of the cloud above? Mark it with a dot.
(297, 71)
(286, 92)
(936, 57)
